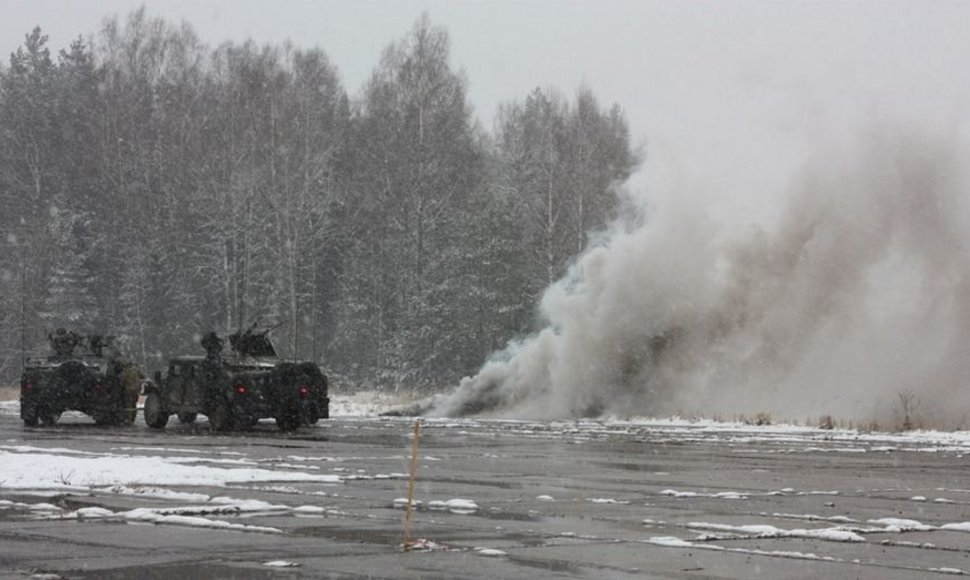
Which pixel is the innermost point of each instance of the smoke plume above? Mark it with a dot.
(856, 297)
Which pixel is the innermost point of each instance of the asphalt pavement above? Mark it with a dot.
(499, 499)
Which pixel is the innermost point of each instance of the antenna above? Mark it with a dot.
(23, 308)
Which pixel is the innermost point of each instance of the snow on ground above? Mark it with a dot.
(280, 564)
(360, 404)
(365, 403)
(372, 403)
(836, 534)
(52, 469)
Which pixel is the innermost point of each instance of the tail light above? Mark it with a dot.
(303, 391)
(26, 387)
(241, 389)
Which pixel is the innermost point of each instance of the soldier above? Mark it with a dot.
(63, 342)
(213, 347)
(131, 379)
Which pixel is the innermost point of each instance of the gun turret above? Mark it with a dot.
(254, 344)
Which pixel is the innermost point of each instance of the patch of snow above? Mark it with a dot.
(280, 564)
(766, 531)
(718, 495)
(93, 513)
(491, 552)
(402, 502)
(675, 493)
(154, 492)
(897, 525)
(43, 507)
(247, 505)
(670, 542)
(545, 498)
(152, 516)
(364, 404)
(461, 506)
(54, 471)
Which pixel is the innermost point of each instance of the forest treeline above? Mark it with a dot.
(154, 188)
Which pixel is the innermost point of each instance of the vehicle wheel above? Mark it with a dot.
(288, 421)
(30, 418)
(154, 416)
(49, 418)
(311, 415)
(187, 418)
(220, 418)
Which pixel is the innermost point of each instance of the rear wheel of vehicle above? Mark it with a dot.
(220, 418)
(187, 418)
(288, 421)
(154, 416)
(49, 418)
(312, 415)
(30, 418)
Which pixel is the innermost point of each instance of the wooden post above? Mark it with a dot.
(414, 470)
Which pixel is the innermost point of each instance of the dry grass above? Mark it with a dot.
(9, 394)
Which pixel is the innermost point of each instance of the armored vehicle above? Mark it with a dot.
(83, 373)
(238, 387)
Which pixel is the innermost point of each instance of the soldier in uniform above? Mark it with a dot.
(63, 342)
(131, 378)
(213, 347)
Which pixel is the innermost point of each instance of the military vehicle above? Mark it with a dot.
(238, 387)
(83, 373)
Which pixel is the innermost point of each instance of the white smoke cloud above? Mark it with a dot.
(859, 291)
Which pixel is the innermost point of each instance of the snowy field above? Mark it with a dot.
(493, 499)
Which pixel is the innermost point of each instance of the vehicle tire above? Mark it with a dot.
(220, 417)
(312, 414)
(187, 418)
(30, 418)
(49, 418)
(155, 417)
(288, 421)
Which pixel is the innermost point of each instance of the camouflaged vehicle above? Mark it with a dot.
(238, 387)
(83, 373)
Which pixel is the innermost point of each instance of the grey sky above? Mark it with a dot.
(729, 96)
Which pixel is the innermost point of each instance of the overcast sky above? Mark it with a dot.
(728, 96)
